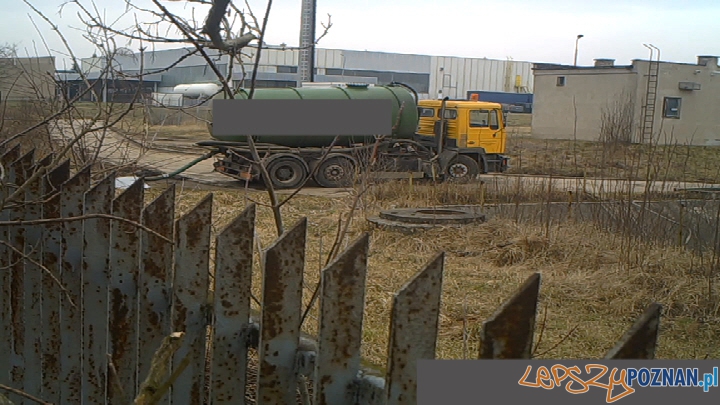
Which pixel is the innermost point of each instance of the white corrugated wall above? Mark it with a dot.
(454, 77)
(457, 77)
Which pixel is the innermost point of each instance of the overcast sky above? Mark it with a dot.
(527, 30)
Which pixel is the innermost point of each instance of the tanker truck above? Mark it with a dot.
(468, 140)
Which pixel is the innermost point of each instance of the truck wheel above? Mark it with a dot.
(286, 172)
(462, 168)
(335, 172)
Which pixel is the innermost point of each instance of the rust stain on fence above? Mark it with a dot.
(6, 338)
(413, 331)
(96, 238)
(233, 278)
(281, 312)
(342, 304)
(190, 290)
(51, 251)
(155, 277)
(71, 205)
(16, 238)
(508, 334)
(124, 262)
(33, 283)
(56, 177)
(10, 156)
(640, 341)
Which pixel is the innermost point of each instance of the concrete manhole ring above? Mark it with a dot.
(434, 215)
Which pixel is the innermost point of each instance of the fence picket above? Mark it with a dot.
(51, 253)
(96, 236)
(190, 289)
(280, 319)
(16, 239)
(154, 279)
(414, 323)
(640, 341)
(10, 155)
(508, 334)
(233, 278)
(124, 262)
(6, 338)
(71, 348)
(32, 284)
(342, 304)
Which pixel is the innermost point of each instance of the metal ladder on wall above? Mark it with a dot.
(650, 95)
(307, 42)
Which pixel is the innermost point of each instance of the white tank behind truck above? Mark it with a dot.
(197, 90)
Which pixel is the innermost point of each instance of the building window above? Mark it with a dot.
(560, 81)
(288, 69)
(671, 107)
(269, 84)
(418, 81)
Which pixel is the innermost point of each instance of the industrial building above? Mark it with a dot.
(430, 76)
(27, 78)
(646, 101)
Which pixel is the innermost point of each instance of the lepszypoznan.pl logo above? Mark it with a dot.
(623, 381)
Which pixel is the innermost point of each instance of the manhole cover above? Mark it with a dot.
(434, 216)
(440, 212)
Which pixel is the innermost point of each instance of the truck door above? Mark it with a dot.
(484, 130)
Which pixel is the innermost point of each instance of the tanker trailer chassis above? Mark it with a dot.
(342, 166)
(436, 139)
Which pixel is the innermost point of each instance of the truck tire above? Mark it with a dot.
(335, 172)
(462, 168)
(286, 172)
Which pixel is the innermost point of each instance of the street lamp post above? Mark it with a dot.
(576, 48)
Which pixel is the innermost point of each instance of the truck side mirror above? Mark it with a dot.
(505, 115)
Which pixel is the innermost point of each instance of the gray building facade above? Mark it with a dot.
(576, 102)
(27, 78)
(430, 76)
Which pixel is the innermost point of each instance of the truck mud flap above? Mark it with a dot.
(445, 157)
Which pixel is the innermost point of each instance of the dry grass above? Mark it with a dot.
(597, 159)
(587, 283)
(17, 117)
(521, 120)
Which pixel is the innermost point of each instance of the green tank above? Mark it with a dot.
(398, 93)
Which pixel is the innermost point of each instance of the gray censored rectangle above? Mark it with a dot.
(302, 117)
(460, 382)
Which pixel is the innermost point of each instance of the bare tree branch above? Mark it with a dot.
(24, 394)
(45, 269)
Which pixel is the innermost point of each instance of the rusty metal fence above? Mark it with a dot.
(132, 275)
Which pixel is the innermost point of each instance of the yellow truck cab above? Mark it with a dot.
(473, 129)
(471, 124)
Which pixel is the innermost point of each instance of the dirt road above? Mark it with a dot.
(167, 154)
